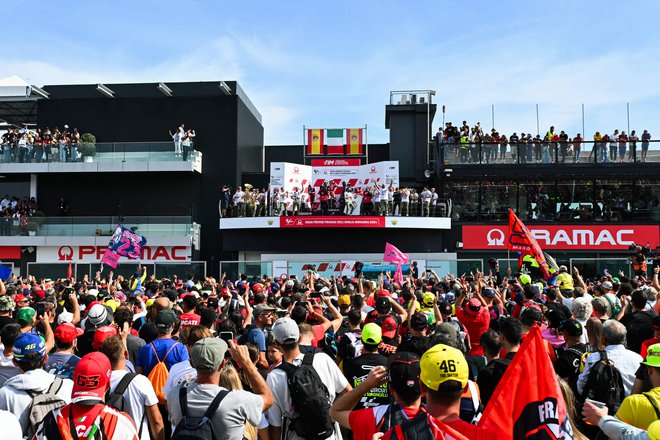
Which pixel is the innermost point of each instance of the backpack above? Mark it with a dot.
(354, 348)
(42, 404)
(158, 375)
(115, 398)
(196, 428)
(311, 401)
(389, 416)
(605, 384)
(243, 339)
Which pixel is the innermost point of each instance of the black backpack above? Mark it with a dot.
(605, 384)
(311, 401)
(116, 400)
(196, 428)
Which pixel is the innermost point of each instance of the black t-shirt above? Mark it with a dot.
(639, 326)
(490, 376)
(568, 362)
(415, 344)
(356, 371)
(351, 338)
(4, 320)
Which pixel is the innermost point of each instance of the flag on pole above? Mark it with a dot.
(354, 141)
(335, 141)
(315, 141)
(395, 256)
(521, 240)
(124, 243)
(69, 272)
(528, 402)
(5, 272)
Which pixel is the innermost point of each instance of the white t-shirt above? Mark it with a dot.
(139, 394)
(330, 375)
(239, 197)
(434, 199)
(383, 193)
(405, 196)
(426, 196)
(181, 373)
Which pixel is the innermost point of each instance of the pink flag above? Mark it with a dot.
(395, 256)
(110, 258)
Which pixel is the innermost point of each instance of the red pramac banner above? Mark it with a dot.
(522, 240)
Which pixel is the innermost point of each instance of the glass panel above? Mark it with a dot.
(253, 269)
(496, 198)
(467, 266)
(647, 200)
(575, 200)
(595, 267)
(100, 226)
(613, 200)
(465, 199)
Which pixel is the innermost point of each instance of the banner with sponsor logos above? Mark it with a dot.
(93, 254)
(287, 176)
(565, 237)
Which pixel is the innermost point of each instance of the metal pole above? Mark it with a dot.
(428, 127)
(366, 142)
(584, 135)
(628, 116)
(443, 117)
(492, 113)
(538, 127)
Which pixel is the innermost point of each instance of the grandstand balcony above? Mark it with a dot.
(108, 157)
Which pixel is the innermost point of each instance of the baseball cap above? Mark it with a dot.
(428, 299)
(67, 332)
(474, 305)
(383, 305)
(27, 343)
(442, 363)
(531, 315)
(64, 317)
(525, 279)
(25, 315)
(39, 294)
(488, 292)
(389, 326)
(19, 298)
(447, 329)
(285, 330)
(419, 321)
(6, 303)
(93, 292)
(343, 300)
(103, 333)
(403, 368)
(571, 326)
(652, 356)
(445, 308)
(372, 334)
(383, 293)
(261, 308)
(165, 319)
(91, 378)
(113, 304)
(607, 285)
(98, 316)
(208, 353)
(563, 268)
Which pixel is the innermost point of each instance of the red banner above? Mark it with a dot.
(522, 240)
(335, 162)
(565, 237)
(332, 222)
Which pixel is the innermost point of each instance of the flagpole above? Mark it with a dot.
(366, 142)
(304, 147)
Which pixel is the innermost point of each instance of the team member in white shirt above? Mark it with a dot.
(282, 199)
(434, 202)
(426, 202)
(383, 195)
(295, 201)
(405, 202)
(349, 199)
(239, 202)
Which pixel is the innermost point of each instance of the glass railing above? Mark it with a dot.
(101, 152)
(407, 97)
(546, 153)
(97, 226)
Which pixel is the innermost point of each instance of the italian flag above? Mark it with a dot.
(335, 141)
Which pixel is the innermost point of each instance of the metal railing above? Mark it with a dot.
(102, 152)
(126, 269)
(153, 226)
(453, 152)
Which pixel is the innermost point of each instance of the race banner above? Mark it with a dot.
(124, 243)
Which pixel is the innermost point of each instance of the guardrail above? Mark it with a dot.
(152, 226)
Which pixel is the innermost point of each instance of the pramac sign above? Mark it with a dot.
(566, 237)
(91, 254)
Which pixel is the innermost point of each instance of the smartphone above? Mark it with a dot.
(40, 309)
(227, 336)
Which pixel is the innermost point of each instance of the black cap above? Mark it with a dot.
(571, 326)
(165, 319)
(419, 321)
(444, 307)
(404, 371)
(383, 304)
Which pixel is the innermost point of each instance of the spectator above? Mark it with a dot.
(417, 342)
(232, 408)
(63, 362)
(8, 335)
(182, 373)
(569, 356)
(639, 323)
(7, 307)
(510, 336)
(30, 355)
(656, 336)
(263, 317)
(286, 334)
(164, 349)
(140, 401)
(92, 381)
(476, 318)
(134, 343)
(582, 310)
(626, 361)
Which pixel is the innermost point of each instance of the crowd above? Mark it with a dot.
(317, 358)
(183, 141)
(23, 145)
(475, 145)
(333, 199)
(17, 213)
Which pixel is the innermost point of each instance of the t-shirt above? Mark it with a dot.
(189, 319)
(236, 408)
(346, 340)
(139, 394)
(415, 344)
(4, 320)
(476, 325)
(181, 374)
(365, 421)
(7, 368)
(568, 362)
(62, 364)
(330, 375)
(636, 409)
(147, 358)
(257, 337)
(356, 371)
(639, 326)
(490, 376)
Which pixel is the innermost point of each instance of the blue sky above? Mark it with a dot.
(333, 64)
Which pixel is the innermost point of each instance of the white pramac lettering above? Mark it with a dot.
(605, 236)
(583, 237)
(561, 236)
(541, 234)
(621, 240)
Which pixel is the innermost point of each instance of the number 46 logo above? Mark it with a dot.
(448, 366)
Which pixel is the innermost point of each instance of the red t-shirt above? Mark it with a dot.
(363, 421)
(319, 334)
(476, 325)
(189, 319)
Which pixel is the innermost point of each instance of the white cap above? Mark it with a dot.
(285, 330)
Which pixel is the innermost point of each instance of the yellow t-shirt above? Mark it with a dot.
(565, 281)
(636, 409)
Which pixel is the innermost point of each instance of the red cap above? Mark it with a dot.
(91, 378)
(383, 293)
(39, 294)
(67, 332)
(389, 327)
(20, 297)
(92, 304)
(257, 288)
(474, 305)
(103, 333)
